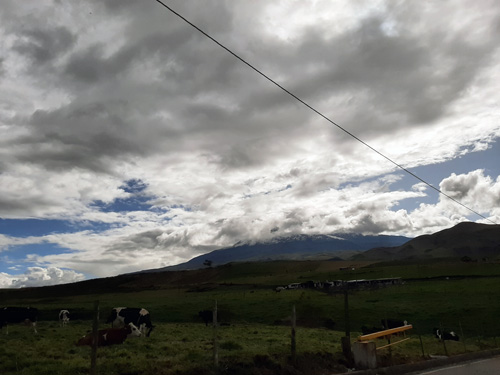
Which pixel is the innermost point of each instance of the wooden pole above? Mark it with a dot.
(346, 312)
(346, 340)
(216, 348)
(463, 336)
(294, 343)
(388, 341)
(442, 339)
(422, 345)
(95, 338)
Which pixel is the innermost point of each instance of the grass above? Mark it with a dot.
(457, 296)
(183, 348)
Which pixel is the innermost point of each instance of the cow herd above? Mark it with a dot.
(125, 322)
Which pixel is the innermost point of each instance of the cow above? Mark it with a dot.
(120, 316)
(27, 315)
(443, 335)
(279, 289)
(365, 330)
(63, 317)
(393, 323)
(111, 336)
(207, 316)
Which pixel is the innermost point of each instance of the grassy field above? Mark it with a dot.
(463, 297)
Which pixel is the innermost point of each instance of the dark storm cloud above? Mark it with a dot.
(410, 76)
(92, 64)
(42, 46)
(140, 241)
(19, 207)
(79, 136)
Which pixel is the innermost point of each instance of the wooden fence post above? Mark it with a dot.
(216, 349)
(422, 345)
(95, 340)
(346, 340)
(442, 339)
(463, 336)
(294, 343)
(388, 340)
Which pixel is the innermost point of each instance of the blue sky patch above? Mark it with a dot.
(35, 227)
(134, 186)
(14, 260)
(40, 227)
(435, 173)
(137, 201)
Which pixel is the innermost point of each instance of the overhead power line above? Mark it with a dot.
(318, 112)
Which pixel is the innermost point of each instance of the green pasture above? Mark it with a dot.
(457, 296)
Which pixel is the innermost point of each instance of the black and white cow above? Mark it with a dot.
(10, 315)
(121, 316)
(444, 335)
(63, 317)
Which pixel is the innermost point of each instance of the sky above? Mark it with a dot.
(131, 141)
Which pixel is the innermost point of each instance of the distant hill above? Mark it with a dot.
(469, 239)
(299, 247)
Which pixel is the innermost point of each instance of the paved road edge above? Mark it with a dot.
(428, 364)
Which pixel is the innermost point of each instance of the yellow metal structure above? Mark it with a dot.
(384, 333)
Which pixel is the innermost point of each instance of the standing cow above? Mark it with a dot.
(111, 336)
(207, 316)
(63, 317)
(18, 315)
(120, 316)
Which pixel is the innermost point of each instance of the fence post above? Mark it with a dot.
(294, 343)
(388, 340)
(216, 349)
(95, 340)
(463, 336)
(443, 340)
(346, 340)
(422, 345)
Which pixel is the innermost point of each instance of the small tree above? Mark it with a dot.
(207, 263)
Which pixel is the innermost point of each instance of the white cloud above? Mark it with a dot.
(38, 276)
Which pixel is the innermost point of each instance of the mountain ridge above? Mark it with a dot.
(466, 239)
(296, 247)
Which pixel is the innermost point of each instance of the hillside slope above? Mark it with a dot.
(464, 239)
(300, 247)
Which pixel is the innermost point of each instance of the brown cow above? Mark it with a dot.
(111, 336)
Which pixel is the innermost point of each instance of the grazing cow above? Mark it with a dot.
(63, 317)
(18, 315)
(393, 323)
(443, 335)
(279, 289)
(111, 336)
(365, 330)
(207, 316)
(121, 316)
